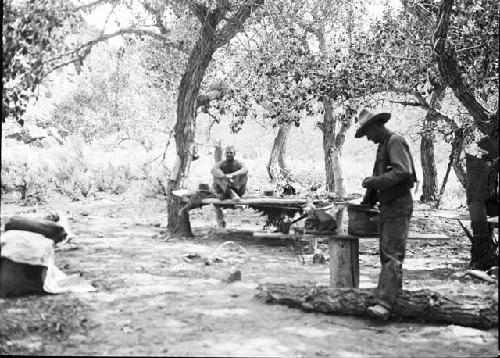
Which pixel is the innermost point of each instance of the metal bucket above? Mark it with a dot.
(363, 220)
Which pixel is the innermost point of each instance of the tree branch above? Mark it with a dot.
(200, 11)
(124, 31)
(321, 126)
(408, 103)
(136, 31)
(384, 55)
(420, 12)
(448, 68)
(92, 4)
(158, 17)
(235, 23)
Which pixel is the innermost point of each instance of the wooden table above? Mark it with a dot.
(344, 253)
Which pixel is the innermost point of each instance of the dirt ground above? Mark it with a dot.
(156, 296)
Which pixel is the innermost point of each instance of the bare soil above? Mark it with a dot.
(156, 295)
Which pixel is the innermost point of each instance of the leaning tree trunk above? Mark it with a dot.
(211, 37)
(276, 167)
(487, 122)
(178, 224)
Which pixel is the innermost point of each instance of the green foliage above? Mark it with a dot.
(33, 34)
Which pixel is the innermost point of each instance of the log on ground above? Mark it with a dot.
(423, 305)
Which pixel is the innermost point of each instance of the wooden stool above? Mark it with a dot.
(344, 260)
(344, 256)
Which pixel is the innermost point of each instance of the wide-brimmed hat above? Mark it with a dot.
(367, 118)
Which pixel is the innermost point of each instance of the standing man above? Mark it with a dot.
(391, 183)
(230, 176)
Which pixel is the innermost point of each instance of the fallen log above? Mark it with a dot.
(424, 305)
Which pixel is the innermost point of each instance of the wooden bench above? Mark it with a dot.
(344, 253)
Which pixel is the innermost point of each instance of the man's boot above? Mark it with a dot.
(378, 312)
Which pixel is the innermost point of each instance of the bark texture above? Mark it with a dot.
(277, 168)
(424, 305)
(219, 214)
(344, 262)
(333, 141)
(429, 171)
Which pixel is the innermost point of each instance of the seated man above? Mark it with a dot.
(230, 176)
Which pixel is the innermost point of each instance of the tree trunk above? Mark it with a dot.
(453, 162)
(457, 146)
(219, 214)
(424, 305)
(277, 169)
(459, 171)
(333, 170)
(479, 184)
(429, 171)
(211, 37)
(332, 141)
(445, 181)
(189, 88)
(483, 252)
(332, 147)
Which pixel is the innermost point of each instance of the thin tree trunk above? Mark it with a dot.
(345, 122)
(219, 214)
(459, 170)
(454, 158)
(332, 147)
(331, 162)
(429, 171)
(445, 181)
(333, 141)
(276, 167)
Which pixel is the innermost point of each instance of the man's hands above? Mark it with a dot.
(368, 182)
(230, 177)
